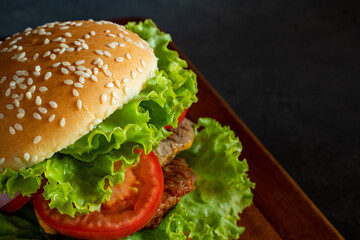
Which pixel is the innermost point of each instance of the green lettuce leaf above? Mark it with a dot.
(223, 189)
(140, 123)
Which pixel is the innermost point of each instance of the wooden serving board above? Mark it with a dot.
(281, 210)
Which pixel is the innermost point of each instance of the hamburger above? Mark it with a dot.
(94, 134)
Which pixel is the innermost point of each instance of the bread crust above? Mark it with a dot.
(60, 80)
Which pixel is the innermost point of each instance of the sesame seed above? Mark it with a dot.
(64, 71)
(94, 78)
(140, 70)
(77, 43)
(46, 41)
(79, 62)
(79, 104)
(28, 95)
(47, 75)
(105, 67)
(20, 48)
(18, 160)
(142, 62)
(2, 115)
(87, 36)
(128, 56)
(119, 59)
(103, 98)
(82, 79)
(21, 97)
(117, 83)
(22, 59)
(35, 158)
(125, 80)
(9, 106)
(111, 35)
(122, 45)
(3, 79)
(100, 64)
(53, 104)
(47, 54)
(108, 73)
(107, 31)
(99, 52)
(81, 40)
(43, 89)
(75, 92)
(12, 130)
(18, 127)
(106, 53)
(109, 85)
(111, 45)
(36, 116)
(127, 39)
(66, 64)
(16, 103)
(23, 86)
(133, 74)
(56, 50)
(97, 60)
(26, 156)
(37, 139)
(62, 122)
(63, 45)
(30, 81)
(42, 110)
(51, 118)
(67, 34)
(81, 68)
(38, 100)
(36, 73)
(113, 101)
(57, 39)
(72, 68)
(52, 56)
(56, 64)
(12, 83)
(92, 33)
(79, 49)
(32, 89)
(68, 82)
(64, 28)
(36, 55)
(114, 94)
(20, 115)
(21, 55)
(21, 110)
(71, 49)
(85, 46)
(79, 73)
(78, 85)
(96, 70)
(2, 160)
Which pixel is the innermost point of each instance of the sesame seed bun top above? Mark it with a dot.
(60, 80)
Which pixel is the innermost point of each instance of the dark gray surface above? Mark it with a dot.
(290, 70)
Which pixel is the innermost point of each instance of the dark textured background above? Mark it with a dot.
(290, 70)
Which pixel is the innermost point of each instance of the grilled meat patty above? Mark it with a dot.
(179, 178)
(180, 140)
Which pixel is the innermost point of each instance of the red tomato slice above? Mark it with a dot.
(180, 119)
(132, 205)
(15, 204)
